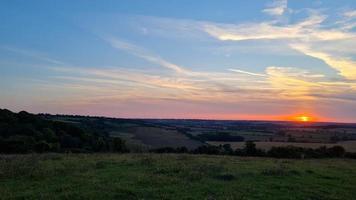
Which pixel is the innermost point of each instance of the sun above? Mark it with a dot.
(303, 118)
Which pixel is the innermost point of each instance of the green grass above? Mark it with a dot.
(154, 176)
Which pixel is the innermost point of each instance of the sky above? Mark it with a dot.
(206, 59)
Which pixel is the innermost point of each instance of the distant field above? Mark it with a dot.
(172, 176)
(350, 146)
(155, 137)
(159, 137)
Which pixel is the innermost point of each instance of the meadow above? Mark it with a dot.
(174, 176)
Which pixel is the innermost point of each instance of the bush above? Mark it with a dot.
(350, 155)
(118, 145)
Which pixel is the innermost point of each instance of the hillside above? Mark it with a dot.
(172, 176)
(25, 133)
(140, 135)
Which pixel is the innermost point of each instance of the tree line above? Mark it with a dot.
(25, 133)
(275, 152)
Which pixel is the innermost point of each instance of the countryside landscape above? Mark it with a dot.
(72, 157)
(178, 99)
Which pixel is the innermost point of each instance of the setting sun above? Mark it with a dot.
(303, 118)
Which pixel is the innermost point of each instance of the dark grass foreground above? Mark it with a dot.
(164, 176)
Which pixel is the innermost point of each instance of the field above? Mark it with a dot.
(172, 176)
(350, 146)
(141, 135)
(159, 137)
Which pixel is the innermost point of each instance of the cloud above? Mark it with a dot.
(144, 54)
(295, 83)
(292, 82)
(285, 83)
(278, 7)
(246, 72)
(350, 14)
(250, 31)
(32, 54)
(307, 36)
(306, 30)
(345, 66)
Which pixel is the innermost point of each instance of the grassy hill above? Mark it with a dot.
(172, 176)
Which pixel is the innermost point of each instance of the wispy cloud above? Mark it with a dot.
(306, 36)
(291, 82)
(306, 30)
(350, 14)
(32, 54)
(144, 54)
(345, 66)
(246, 72)
(278, 7)
(313, 36)
(233, 85)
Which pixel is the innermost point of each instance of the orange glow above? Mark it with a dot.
(303, 118)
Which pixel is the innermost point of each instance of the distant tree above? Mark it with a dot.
(49, 135)
(118, 145)
(17, 144)
(182, 150)
(286, 152)
(336, 151)
(68, 141)
(42, 146)
(164, 150)
(350, 155)
(221, 136)
(250, 148)
(207, 149)
(227, 149)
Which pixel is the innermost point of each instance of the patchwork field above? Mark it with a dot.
(154, 137)
(171, 176)
(350, 146)
(159, 137)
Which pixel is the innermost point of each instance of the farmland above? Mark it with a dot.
(144, 134)
(173, 176)
(107, 158)
(24, 132)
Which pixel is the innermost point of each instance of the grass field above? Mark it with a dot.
(164, 176)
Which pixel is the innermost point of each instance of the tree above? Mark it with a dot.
(250, 148)
(336, 151)
(227, 149)
(118, 145)
(42, 146)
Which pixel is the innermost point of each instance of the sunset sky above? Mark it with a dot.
(264, 60)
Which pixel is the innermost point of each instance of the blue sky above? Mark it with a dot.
(180, 59)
